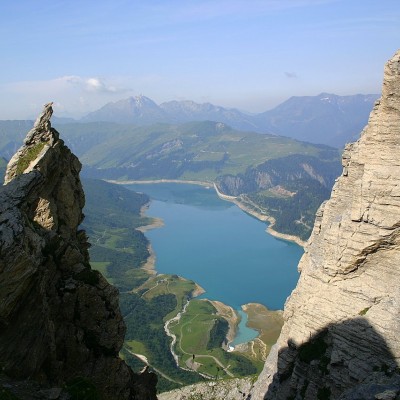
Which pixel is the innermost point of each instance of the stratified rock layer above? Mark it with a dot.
(59, 319)
(341, 338)
(229, 389)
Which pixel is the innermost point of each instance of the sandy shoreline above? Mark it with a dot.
(155, 222)
(197, 291)
(150, 263)
(230, 315)
(267, 322)
(149, 182)
(261, 217)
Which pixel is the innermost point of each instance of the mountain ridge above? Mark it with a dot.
(349, 112)
(207, 151)
(322, 119)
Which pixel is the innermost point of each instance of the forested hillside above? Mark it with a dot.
(3, 166)
(287, 178)
(290, 189)
(119, 251)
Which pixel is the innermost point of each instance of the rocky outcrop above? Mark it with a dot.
(228, 389)
(286, 171)
(59, 319)
(340, 339)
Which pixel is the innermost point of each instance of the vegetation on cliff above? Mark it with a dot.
(289, 189)
(3, 166)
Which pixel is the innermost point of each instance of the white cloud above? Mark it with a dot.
(72, 95)
(94, 85)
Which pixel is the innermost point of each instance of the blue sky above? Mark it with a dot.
(247, 54)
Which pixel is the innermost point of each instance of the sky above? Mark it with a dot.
(245, 54)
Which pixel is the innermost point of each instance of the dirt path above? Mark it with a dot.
(224, 368)
(174, 340)
(172, 335)
(145, 360)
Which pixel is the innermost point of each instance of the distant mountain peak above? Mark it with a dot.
(326, 118)
(141, 101)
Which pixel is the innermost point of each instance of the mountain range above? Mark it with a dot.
(327, 118)
(287, 178)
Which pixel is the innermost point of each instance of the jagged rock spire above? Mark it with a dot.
(44, 117)
(41, 137)
(42, 129)
(59, 319)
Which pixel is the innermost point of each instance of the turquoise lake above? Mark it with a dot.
(223, 249)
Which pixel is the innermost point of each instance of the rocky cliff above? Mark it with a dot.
(340, 339)
(59, 319)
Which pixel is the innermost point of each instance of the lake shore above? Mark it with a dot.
(223, 310)
(252, 310)
(262, 217)
(150, 182)
(155, 222)
(197, 291)
(233, 199)
(150, 263)
(230, 315)
(269, 325)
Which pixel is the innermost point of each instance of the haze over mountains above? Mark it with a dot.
(245, 155)
(137, 139)
(327, 118)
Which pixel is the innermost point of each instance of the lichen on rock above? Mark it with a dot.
(59, 319)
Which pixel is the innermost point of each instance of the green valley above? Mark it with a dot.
(287, 178)
(152, 304)
(200, 338)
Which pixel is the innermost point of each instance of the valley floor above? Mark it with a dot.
(157, 307)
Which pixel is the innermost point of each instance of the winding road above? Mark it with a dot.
(174, 340)
(143, 358)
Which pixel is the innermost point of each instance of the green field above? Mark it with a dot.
(102, 268)
(194, 333)
(137, 347)
(195, 326)
(148, 301)
(164, 284)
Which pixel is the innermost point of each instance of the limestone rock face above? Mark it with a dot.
(229, 389)
(341, 337)
(59, 319)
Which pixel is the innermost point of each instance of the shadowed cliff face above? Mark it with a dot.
(348, 360)
(59, 319)
(348, 293)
